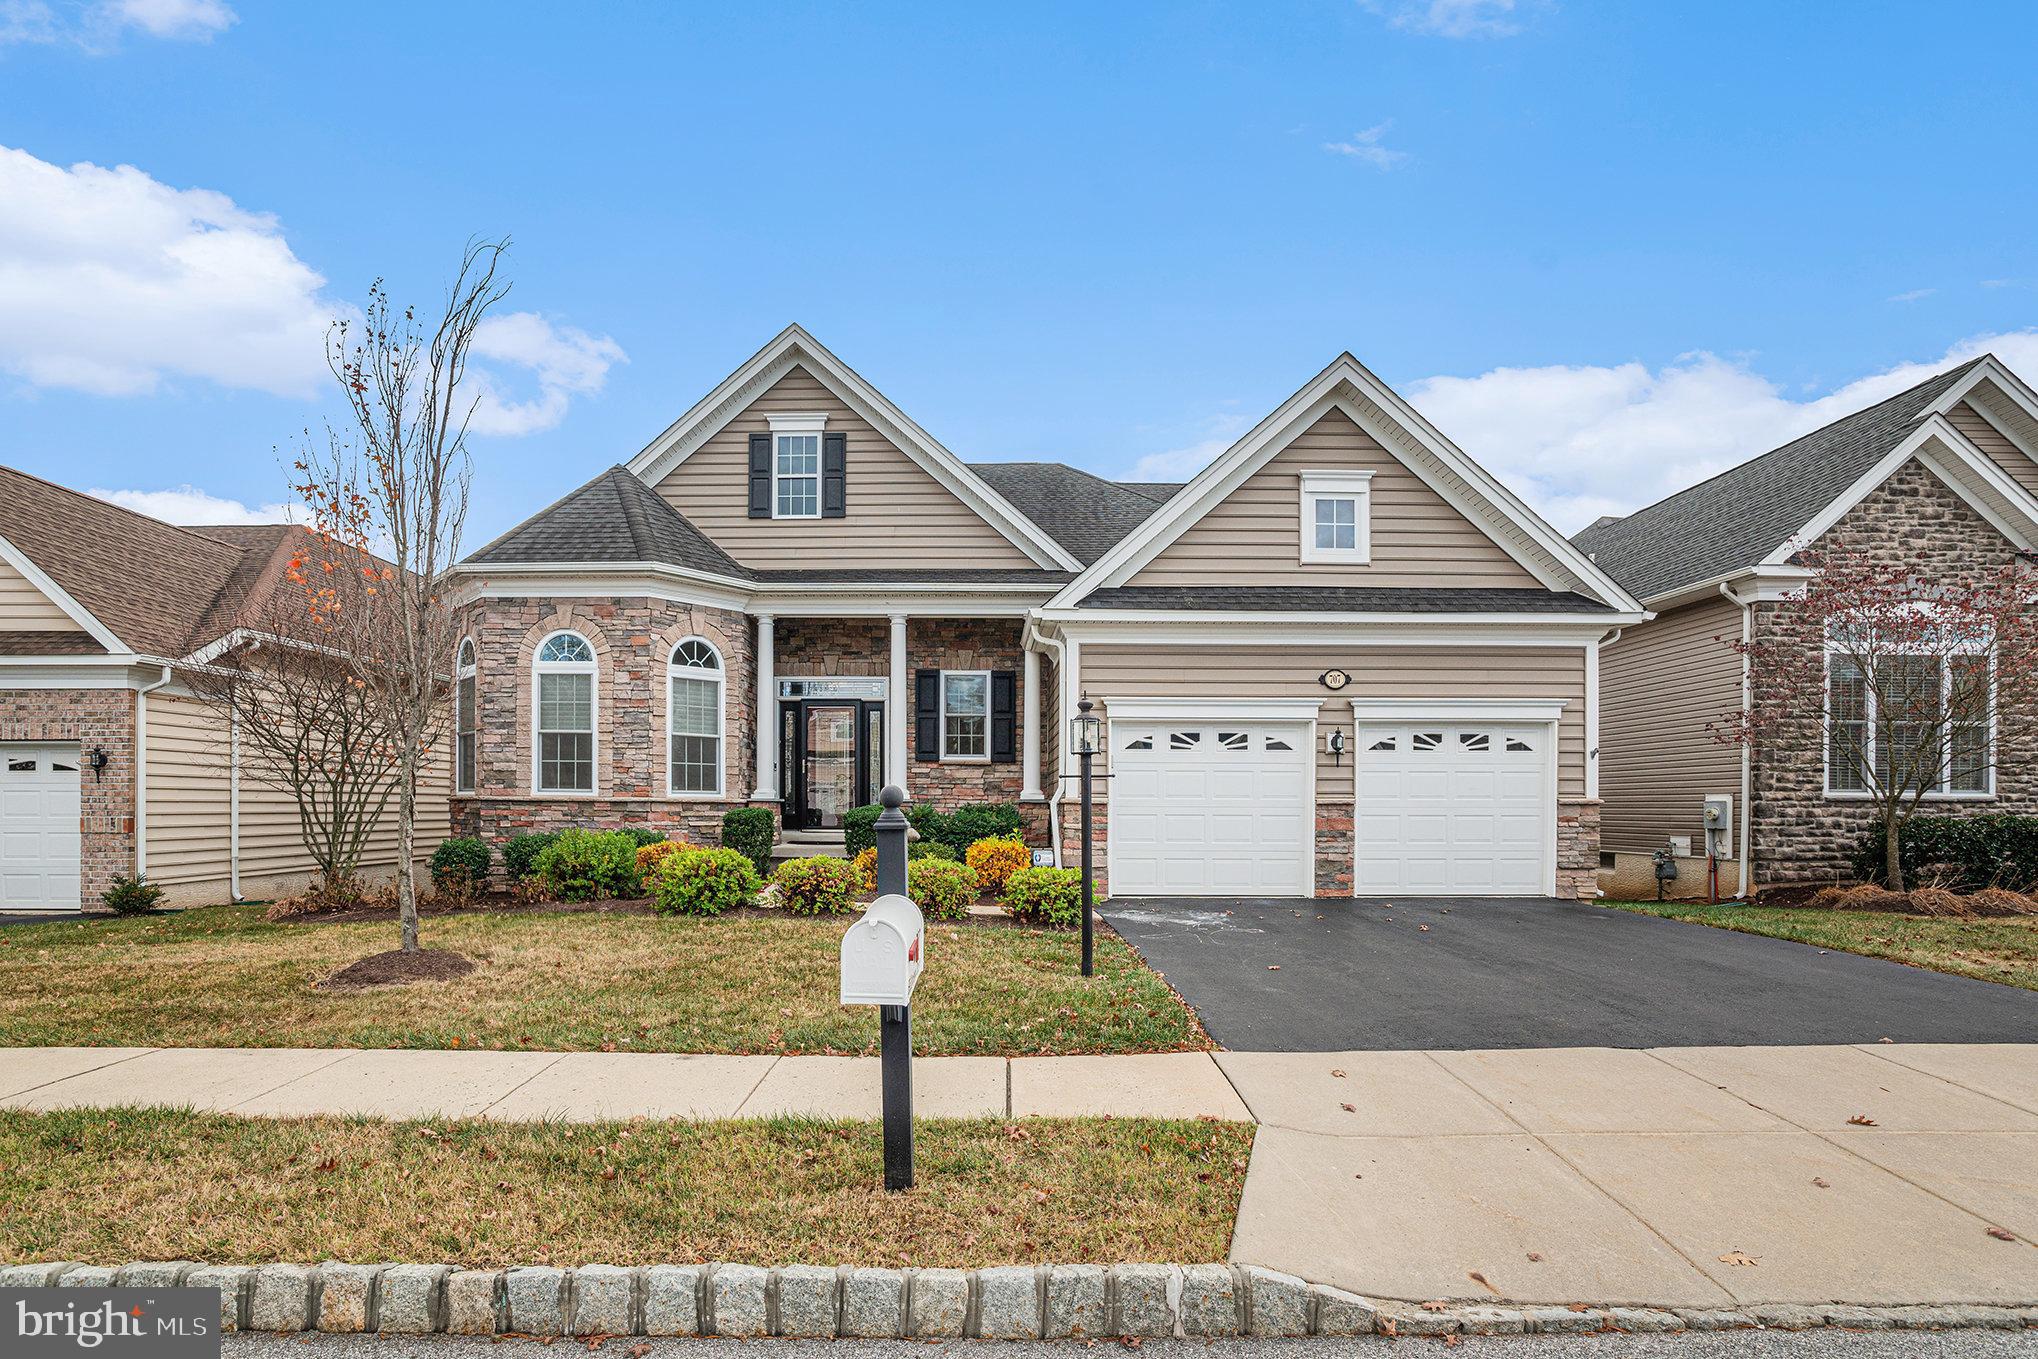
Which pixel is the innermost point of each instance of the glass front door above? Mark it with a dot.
(832, 751)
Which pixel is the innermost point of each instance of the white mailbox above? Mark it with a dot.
(883, 953)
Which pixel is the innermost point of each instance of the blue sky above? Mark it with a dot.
(1608, 247)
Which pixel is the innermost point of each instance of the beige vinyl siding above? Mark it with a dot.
(24, 608)
(189, 830)
(1254, 535)
(1118, 671)
(898, 515)
(1992, 441)
(1659, 686)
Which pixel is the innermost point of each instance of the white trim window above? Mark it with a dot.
(1336, 517)
(796, 466)
(694, 719)
(966, 715)
(466, 720)
(1860, 737)
(563, 715)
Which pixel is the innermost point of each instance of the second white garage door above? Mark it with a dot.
(1202, 808)
(39, 833)
(1448, 809)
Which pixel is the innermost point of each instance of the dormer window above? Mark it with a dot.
(796, 466)
(1335, 517)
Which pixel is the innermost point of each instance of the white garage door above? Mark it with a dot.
(1449, 809)
(1211, 809)
(39, 840)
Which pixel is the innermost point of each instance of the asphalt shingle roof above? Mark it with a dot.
(1341, 599)
(614, 518)
(1086, 514)
(1739, 517)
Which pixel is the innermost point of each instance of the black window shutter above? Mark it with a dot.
(927, 714)
(834, 475)
(1004, 717)
(760, 476)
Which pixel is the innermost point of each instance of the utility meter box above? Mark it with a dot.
(1719, 822)
(883, 953)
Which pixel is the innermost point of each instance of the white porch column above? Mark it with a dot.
(899, 721)
(767, 714)
(1029, 788)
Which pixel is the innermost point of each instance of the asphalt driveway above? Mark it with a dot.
(1469, 973)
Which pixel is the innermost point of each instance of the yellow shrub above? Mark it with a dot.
(993, 861)
(865, 865)
(650, 856)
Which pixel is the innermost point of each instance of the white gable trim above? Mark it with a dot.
(2009, 386)
(61, 597)
(1511, 524)
(1951, 457)
(793, 348)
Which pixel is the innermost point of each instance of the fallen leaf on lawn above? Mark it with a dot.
(1349, 1108)
(1862, 1121)
(1735, 1257)
(1535, 1257)
(1335, 1072)
(331, 1163)
(1999, 1234)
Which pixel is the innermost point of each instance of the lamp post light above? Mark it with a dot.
(1086, 738)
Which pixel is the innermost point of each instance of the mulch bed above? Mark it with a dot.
(397, 968)
(493, 904)
(1989, 903)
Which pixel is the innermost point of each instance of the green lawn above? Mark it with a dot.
(223, 976)
(1997, 950)
(105, 1186)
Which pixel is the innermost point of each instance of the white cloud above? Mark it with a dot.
(188, 505)
(1179, 464)
(112, 282)
(1914, 295)
(565, 362)
(27, 21)
(1579, 442)
(1450, 18)
(95, 29)
(1365, 146)
(187, 19)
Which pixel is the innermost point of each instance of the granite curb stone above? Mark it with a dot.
(1080, 1301)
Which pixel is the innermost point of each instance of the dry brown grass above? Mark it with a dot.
(222, 976)
(105, 1186)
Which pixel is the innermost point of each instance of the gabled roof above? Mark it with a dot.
(136, 583)
(793, 348)
(1085, 513)
(1347, 385)
(615, 518)
(1341, 599)
(1742, 516)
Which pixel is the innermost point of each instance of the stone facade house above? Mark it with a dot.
(1939, 480)
(110, 765)
(1340, 660)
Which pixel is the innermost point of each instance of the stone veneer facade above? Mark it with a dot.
(91, 717)
(1799, 833)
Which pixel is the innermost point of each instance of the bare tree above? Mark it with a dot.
(1896, 688)
(310, 728)
(395, 487)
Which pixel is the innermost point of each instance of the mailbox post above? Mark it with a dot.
(882, 958)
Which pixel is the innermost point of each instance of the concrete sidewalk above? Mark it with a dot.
(1681, 1177)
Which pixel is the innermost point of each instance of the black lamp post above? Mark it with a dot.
(1086, 738)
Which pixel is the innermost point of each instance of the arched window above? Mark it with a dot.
(465, 721)
(694, 719)
(564, 714)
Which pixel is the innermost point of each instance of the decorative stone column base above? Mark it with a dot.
(1335, 848)
(1578, 848)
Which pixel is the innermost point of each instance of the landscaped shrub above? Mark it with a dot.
(643, 835)
(583, 865)
(859, 829)
(1045, 896)
(460, 867)
(1963, 853)
(520, 854)
(943, 890)
(974, 821)
(650, 856)
(865, 864)
(929, 822)
(750, 831)
(995, 860)
(131, 896)
(818, 886)
(704, 882)
(931, 849)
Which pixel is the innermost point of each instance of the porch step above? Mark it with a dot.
(810, 844)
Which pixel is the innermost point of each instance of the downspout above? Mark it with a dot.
(1034, 634)
(233, 804)
(1742, 886)
(141, 774)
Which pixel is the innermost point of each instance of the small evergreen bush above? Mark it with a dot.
(460, 867)
(941, 888)
(1992, 849)
(585, 865)
(817, 886)
(974, 821)
(931, 849)
(131, 896)
(704, 882)
(859, 829)
(750, 831)
(643, 835)
(520, 854)
(1045, 896)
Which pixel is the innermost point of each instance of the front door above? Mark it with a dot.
(831, 751)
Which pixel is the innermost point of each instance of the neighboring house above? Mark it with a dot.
(108, 764)
(1941, 479)
(1342, 659)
